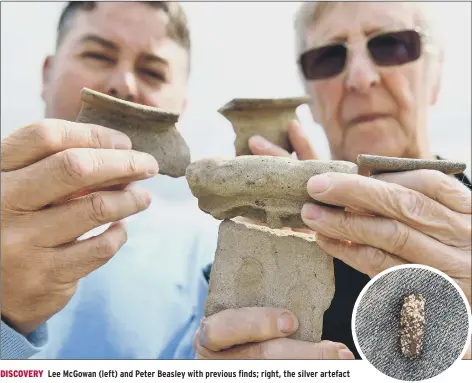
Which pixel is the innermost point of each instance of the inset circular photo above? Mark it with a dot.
(411, 322)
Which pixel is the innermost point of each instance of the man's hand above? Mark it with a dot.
(421, 217)
(43, 166)
(298, 139)
(259, 333)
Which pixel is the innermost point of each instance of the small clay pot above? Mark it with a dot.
(268, 118)
(151, 130)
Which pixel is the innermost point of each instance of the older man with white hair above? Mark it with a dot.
(372, 70)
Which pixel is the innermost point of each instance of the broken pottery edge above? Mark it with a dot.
(94, 98)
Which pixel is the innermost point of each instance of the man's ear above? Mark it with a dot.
(436, 72)
(46, 74)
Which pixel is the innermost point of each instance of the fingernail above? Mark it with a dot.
(121, 141)
(318, 184)
(153, 171)
(287, 323)
(151, 164)
(345, 354)
(260, 142)
(145, 196)
(311, 212)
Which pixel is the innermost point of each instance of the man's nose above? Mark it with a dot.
(362, 73)
(123, 84)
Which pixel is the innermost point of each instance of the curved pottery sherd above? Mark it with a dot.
(151, 130)
(258, 266)
(267, 189)
(369, 164)
(268, 118)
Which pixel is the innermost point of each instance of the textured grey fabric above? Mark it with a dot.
(377, 324)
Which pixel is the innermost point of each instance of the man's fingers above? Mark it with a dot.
(392, 201)
(78, 259)
(85, 192)
(261, 147)
(250, 324)
(382, 233)
(446, 190)
(93, 210)
(34, 142)
(300, 142)
(65, 173)
(366, 259)
(282, 348)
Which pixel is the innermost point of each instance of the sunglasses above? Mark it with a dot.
(386, 49)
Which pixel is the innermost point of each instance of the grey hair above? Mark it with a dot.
(309, 12)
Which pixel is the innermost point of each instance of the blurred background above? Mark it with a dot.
(238, 50)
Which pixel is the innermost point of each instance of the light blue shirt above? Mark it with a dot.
(143, 300)
(181, 345)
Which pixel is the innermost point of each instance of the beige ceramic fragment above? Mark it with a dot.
(267, 189)
(258, 266)
(151, 130)
(268, 118)
(369, 164)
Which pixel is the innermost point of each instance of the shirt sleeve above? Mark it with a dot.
(13, 345)
(184, 339)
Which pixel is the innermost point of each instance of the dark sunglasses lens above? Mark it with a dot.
(395, 48)
(323, 62)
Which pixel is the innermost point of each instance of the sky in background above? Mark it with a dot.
(239, 50)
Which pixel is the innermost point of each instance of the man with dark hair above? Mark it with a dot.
(130, 307)
(177, 27)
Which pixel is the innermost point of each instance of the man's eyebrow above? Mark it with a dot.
(153, 58)
(99, 40)
(111, 45)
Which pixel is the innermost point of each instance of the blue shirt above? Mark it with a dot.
(181, 345)
(138, 304)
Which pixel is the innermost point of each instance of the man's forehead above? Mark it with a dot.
(341, 19)
(139, 26)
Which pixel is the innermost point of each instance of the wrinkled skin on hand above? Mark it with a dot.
(59, 181)
(418, 217)
(421, 217)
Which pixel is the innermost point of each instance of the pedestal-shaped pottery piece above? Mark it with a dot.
(151, 130)
(266, 266)
(258, 266)
(267, 189)
(268, 118)
(262, 266)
